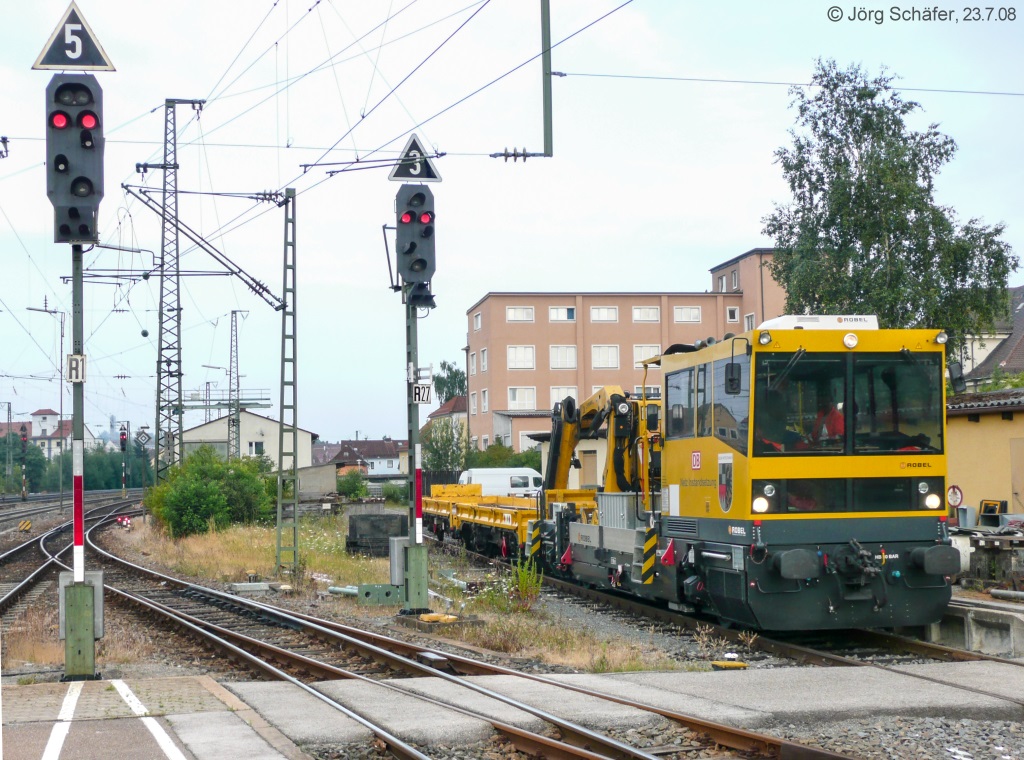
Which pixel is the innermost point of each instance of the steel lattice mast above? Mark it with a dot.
(288, 431)
(234, 395)
(168, 443)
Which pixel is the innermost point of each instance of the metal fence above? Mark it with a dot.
(439, 478)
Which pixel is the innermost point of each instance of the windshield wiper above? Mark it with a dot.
(777, 381)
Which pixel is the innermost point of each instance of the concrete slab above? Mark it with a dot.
(667, 698)
(217, 735)
(812, 694)
(300, 716)
(993, 677)
(406, 716)
(578, 708)
(25, 741)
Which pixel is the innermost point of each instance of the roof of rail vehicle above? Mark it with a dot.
(814, 340)
(821, 322)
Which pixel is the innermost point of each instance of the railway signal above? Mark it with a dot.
(414, 209)
(74, 156)
(124, 439)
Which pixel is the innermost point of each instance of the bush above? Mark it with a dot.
(394, 493)
(353, 485)
(205, 491)
(194, 505)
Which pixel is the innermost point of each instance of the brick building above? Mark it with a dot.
(528, 350)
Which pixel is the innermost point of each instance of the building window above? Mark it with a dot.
(748, 322)
(486, 441)
(644, 351)
(687, 314)
(483, 359)
(605, 357)
(518, 313)
(255, 448)
(483, 400)
(391, 463)
(522, 398)
(563, 357)
(559, 392)
(472, 363)
(472, 403)
(474, 442)
(604, 313)
(646, 313)
(648, 391)
(732, 313)
(735, 279)
(721, 284)
(476, 321)
(520, 357)
(562, 314)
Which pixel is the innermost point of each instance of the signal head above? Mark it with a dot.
(414, 207)
(74, 155)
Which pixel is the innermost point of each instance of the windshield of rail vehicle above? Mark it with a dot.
(849, 403)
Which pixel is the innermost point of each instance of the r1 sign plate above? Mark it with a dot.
(421, 394)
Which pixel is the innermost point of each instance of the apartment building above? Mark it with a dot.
(528, 350)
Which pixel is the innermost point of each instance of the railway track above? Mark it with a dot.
(263, 637)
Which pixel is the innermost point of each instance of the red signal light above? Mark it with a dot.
(88, 120)
(59, 120)
(405, 218)
(426, 217)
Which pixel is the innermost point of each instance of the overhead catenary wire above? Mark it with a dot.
(714, 80)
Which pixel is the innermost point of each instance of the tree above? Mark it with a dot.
(863, 233)
(445, 445)
(449, 382)
(500, 455)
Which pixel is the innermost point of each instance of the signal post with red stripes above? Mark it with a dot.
(74, 186)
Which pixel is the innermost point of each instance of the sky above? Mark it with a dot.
(665, 126)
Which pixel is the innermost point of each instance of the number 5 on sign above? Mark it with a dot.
(421, 394)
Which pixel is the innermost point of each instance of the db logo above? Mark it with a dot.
(695, 460)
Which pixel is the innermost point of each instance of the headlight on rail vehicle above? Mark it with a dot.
(850, 340)
(764, 496)
(941, 338)
(764, 338)
(930, 492)
(623, 408)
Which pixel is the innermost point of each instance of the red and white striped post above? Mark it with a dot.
(78, 509)
(419, 494)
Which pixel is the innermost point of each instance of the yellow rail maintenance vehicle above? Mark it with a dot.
(802, 482)
(792, 477)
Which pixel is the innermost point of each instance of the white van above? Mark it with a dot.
(504, 481)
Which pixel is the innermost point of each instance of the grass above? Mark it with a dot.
(232, 555)
(530, 635)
